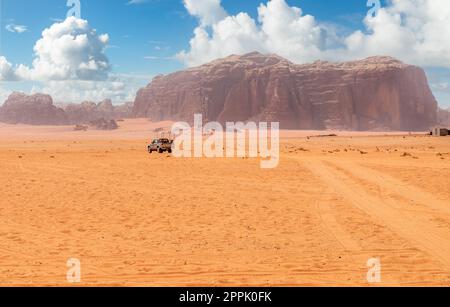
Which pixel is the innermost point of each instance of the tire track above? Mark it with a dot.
(423, 235)
(328, 218)
(394, 185)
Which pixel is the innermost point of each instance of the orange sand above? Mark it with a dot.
(153, 220)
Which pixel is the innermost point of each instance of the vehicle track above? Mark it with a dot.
(424, 236)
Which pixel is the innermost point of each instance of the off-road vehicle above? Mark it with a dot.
(160, 145)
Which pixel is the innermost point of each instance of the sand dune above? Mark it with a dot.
(153, 220)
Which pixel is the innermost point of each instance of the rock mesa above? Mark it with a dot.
(378, 93)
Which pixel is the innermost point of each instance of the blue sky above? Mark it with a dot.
(137, 31)
(145, 37)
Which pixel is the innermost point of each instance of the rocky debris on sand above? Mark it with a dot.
(81, 128)
(104, 124)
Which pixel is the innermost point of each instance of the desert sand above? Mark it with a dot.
(135, 219)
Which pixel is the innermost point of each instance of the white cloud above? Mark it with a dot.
(68, 50)
(208, 11)
(415, 31)
(7, 71)
(77, 91)
(440, 82)
(119, 88)
(442, 86)
(232, 35)
(135, 2)
(16, 28)
(71, 66)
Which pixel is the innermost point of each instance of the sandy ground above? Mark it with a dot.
(153, 220)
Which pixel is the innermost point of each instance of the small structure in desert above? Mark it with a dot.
(438, 131)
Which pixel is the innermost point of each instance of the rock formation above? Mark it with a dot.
(39, 109)
(36, 109)
(89, 111)
(378, 93)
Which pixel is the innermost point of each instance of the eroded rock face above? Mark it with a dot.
(378, 93)
(89, 111)
(81, 113)
(124, 110)
(36, 109)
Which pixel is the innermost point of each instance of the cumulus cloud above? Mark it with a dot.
(415, 31)
(7, 71)
(70, 64)
(209, 12)
(68, 50)
(232, 35)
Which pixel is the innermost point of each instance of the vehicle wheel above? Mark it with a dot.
(169, 151)
(160, 150)
(150, 151)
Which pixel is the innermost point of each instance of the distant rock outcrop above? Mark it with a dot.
(81, 113)
(378, 93)
(36, 109)
(89, 111)
(39, 109)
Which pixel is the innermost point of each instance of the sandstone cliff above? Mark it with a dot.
(378, 93)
